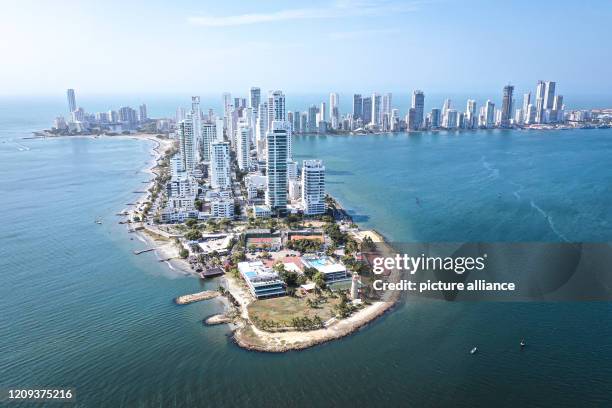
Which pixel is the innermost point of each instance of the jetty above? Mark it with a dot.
(142, 251)
(217, 319)
(196, 297)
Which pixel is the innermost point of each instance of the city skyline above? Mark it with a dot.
(438, 46)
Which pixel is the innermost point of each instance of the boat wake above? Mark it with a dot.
(517, 193)
(550, 221)
(493, 171)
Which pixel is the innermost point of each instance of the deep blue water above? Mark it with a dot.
(79, 309)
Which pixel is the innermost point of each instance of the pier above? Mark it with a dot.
(196, 297)
(142, 251)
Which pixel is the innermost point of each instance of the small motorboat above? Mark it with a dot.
(474, 350)
(523, 344)
(99, 222)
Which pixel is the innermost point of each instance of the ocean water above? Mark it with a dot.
(79, 309)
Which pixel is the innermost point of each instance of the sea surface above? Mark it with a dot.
(78, 309)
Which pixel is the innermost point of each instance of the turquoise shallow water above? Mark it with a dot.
(78, 309)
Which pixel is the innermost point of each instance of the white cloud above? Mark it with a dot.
(342, 8)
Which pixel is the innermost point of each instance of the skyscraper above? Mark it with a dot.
(418, 104)
(450, 119)
(142, 116)
(313, 187)
(220, 166)
(435, 118)
(312, 119)
(71, 100)
(489, 114)
(366, 110)
(540, 91)
(243, 138)
(334, 112)
(526, 102)
(549, 94)
(386, 104)
(471, 117)
(187, 144)
(376, 107)
(196, 118)
(209, 136)
(357, 107)
(506, 110)
(322, 113)
(296, 122)
(447, 105)
(411, 120)
(276, 166)
(227, 104)
(276, 106)
(254, 98)
(180, 114)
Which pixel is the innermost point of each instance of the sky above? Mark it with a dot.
(157, 47)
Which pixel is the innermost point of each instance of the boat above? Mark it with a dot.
(474, 350)
(523, 344)
(99, 222)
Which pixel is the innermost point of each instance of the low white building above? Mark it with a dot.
(262, 211)
(222, 208)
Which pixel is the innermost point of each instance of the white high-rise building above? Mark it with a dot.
(526, 102)
(276, 161)
(540, 92)
(260, 137)
(209, 136)
(276, 106)
(386, 104)
(180, 114)
(530, 115)
(334, 110)
(187, 144)
(292, 170)
(142, 113)
(313, 187)
(376, 102)
(322, 113)
(450, 119)
(220, 177)
(471, 116)
(243, 139)
(219, 129)
(447, 105)
(227, 105)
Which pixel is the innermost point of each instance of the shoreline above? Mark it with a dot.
(244, 333)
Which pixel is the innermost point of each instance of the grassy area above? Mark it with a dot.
(282, 310)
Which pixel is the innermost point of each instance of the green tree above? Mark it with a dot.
(319, 280)
(310, 272)
(193, 235)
